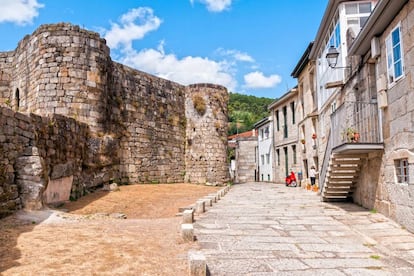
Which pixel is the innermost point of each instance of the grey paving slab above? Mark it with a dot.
(270, 229)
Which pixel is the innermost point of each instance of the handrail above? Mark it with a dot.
(325, 162)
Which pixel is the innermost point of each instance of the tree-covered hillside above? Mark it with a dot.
(245, 111)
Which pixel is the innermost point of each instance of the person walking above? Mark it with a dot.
(312, 175)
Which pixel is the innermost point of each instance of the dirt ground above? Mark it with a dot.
(91, 237)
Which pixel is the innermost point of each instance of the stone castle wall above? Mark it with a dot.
(206, 133)
(98, 121)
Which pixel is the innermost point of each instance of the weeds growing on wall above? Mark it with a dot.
(199, 104)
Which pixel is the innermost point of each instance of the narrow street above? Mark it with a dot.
(269, 229)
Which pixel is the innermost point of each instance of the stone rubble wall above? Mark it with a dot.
(6, 61)
(91, 121)
(206, 153)
(36, 150)
(62, 69)
(147, 114)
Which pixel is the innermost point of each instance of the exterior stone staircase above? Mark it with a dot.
(341, 177)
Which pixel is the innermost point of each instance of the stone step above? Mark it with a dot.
(345, 161)
(339, 188)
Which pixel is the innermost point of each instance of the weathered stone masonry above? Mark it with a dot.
(84, 120)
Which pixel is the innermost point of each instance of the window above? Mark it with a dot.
(335, 39)
(394, 56)
(277, 120)
(268, 177)
(262, 157)
(266, 132)
(357, 15)
(285, 127)
(267, 158)
(261, 133)
(294, 154)
(278, 156)
(401, 168)
(292, 108)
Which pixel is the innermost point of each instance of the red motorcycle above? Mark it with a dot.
(291, 180)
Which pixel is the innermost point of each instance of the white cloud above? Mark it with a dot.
(187, 70)
(259, 80)
(215, 5)
(133, 25)
(20, 12)
(236, 54)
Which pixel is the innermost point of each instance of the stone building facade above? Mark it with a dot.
(98, 121)
(246, 160)
(284, 112)
(308, 122)
(385, 50)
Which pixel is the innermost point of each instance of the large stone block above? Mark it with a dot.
(187, 232)
(58, 190)
(197, 263)
(188, 216)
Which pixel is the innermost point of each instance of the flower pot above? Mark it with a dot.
(356, 137)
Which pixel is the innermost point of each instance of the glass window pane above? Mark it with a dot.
(363, 20)
(396, 36)
(351, 9)
(397, 52)
(353, 21)
(337, 36)
(398, 69)
(365, 8)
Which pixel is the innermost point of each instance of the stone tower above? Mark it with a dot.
(206, 133)
(61, 69)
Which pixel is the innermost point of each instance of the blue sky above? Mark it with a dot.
(249, 46)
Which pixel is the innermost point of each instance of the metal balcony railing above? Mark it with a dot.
(351, 117)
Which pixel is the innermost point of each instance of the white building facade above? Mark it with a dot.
(264, 149)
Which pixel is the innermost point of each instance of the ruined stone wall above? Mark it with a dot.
(147, 113)
(6, 62)
(98, 121)
(206, 111)
(12, 146)
(36, 151)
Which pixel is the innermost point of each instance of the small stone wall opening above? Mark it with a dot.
(17, 99)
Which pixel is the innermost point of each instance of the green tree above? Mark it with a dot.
(245, 111)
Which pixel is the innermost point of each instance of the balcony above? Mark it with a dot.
(359, 117)
(346, 151)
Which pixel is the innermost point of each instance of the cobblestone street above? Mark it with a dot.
(269, 229)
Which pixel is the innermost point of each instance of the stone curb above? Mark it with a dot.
(197, 260)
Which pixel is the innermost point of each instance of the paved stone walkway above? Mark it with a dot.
(269, 229)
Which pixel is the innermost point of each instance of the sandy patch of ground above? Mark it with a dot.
(89, 236)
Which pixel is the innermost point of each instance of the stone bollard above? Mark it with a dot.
(208, 202)
(188, 216)
(200, 207)
(218, 195)
(197, 263)
(187, 232)
(213, 198)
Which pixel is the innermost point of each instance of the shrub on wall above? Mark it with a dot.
(199, 104)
